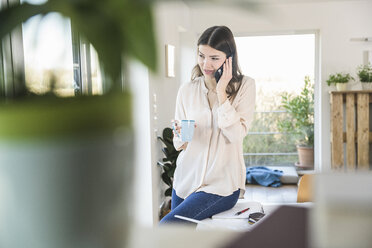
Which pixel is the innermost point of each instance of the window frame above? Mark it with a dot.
(12, 77)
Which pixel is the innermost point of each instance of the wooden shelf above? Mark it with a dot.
(350, 91)
(354, 92)
(357, 136)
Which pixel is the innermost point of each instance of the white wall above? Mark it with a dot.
(154, 99)
(171, 20)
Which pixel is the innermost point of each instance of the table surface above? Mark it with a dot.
(224, 232)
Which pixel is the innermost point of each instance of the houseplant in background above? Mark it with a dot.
(364, 73)
(66, 163)
(168, 165)
(340, 80)
(300, 122)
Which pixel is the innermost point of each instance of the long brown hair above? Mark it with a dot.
(222, 39)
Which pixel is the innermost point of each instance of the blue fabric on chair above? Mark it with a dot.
(264, 176)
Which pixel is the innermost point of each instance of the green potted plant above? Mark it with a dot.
(364, 73)
(340, 80)
(168, 165)
(300, 122)
(67, 162)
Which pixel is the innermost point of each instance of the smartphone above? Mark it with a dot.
(218, 73)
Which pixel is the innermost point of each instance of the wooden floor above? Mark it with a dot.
(285, 194)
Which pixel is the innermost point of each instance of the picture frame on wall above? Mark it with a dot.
(169, 60)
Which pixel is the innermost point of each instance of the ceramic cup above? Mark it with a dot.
(187, 130)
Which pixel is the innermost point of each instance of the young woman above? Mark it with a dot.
(210, 173)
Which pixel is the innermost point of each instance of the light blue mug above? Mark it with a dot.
(187, 130)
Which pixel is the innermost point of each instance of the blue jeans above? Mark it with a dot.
(199, 205)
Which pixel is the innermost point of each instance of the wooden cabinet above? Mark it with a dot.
(350, 124)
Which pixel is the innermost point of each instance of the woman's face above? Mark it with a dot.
(209, 60)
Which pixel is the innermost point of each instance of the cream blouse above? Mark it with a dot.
(213, 161)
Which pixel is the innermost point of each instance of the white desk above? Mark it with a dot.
(242, 225)
(186, 237)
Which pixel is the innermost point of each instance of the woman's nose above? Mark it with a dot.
(206, 63)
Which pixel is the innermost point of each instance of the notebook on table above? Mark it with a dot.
(240, 206)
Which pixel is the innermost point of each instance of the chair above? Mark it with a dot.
(305, 188)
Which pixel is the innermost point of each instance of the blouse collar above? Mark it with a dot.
(204, 87)
(202, 82)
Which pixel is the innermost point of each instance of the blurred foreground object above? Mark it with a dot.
(343, 211)
(66, 164)
(65, 172)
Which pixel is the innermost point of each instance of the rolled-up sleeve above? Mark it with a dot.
(234, 121)
(179, 115)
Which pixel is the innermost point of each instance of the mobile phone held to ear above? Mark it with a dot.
(219, 72)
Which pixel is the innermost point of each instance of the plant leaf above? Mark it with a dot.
(138, 32)
(168, 192)
(166, 179)
(14, 15)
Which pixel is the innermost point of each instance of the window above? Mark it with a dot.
(48, 55)
(278, 63)
(57, 59)
(87, 73)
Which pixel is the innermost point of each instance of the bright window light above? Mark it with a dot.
(278, 63)
(48, 54)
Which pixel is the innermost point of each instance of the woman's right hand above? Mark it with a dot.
(176, 128)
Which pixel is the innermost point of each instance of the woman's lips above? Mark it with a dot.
(209, 72)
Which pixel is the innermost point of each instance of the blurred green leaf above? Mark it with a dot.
(13, 16)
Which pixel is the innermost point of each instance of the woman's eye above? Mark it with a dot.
(215, 58)
(201, 56)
